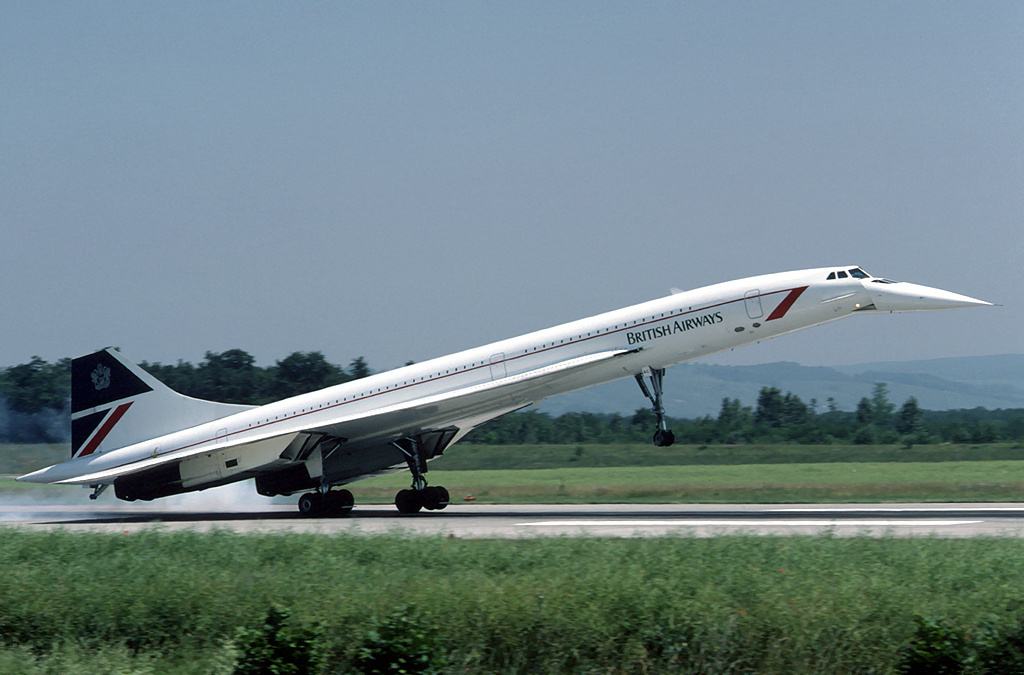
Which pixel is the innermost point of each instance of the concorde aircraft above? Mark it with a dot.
(133, 432)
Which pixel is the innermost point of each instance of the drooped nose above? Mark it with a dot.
(906, 297)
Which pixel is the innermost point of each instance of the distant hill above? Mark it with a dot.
(696, 389)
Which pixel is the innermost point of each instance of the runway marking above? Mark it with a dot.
(889, 509)
(751, 522)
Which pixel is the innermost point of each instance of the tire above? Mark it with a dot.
(429, 497)
(408, 502)
(436, 498)
(339, 502)
(310, 504)
(663, 439)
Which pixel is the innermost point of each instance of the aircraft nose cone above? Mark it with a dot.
(907, 297)
(957, 300)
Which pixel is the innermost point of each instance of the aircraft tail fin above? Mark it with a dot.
(115, 403)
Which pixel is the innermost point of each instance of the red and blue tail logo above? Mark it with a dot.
(101, 393)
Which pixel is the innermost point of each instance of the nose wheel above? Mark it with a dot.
(663, 436)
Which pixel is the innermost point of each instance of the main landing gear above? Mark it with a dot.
(420, 495)
(663, 436)
(326, 502)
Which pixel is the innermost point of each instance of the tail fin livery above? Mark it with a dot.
(115, 403)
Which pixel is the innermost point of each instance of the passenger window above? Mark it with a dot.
(831, 276)
(842, 275)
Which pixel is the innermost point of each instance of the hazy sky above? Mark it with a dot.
(401, 180)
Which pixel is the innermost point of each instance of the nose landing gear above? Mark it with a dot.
(663, 436)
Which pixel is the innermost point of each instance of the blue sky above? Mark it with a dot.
(401, 180)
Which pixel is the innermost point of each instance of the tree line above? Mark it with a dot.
(234, 377)
(231, 376)
(35, 396)
(776, 417)
(37, 406)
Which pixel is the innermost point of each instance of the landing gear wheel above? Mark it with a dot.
(435, 498)
(408, 501)
(664, 438)
(310, 503)
(339, 502)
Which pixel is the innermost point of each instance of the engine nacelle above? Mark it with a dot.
(286, 481)
(161, 481)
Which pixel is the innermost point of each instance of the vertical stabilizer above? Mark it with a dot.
(115, 403)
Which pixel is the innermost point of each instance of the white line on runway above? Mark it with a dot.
(889, 509)
(750, 522)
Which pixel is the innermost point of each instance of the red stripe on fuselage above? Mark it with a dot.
(786, 303)
(105, 428)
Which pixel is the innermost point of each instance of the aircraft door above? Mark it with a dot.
(498, 369)
(752, 301)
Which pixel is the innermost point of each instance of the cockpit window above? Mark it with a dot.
(858, 273)
(832, 275)
(842, 275)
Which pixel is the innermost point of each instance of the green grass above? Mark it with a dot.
(753, 483)
(174, 602)
(766, 483)
(18, 459)
(468, 456)
(40, 490)
(768, 474)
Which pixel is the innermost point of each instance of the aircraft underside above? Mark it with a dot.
(319, 464)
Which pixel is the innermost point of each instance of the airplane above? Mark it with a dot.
(131, 431)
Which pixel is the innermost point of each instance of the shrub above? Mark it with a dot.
(401, 642)
(936, 648)
(1001, 651)
(276, 647)
(941, 647)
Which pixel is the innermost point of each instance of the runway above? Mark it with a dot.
(541, 520)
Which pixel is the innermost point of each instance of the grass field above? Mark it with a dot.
(18, 459)
(191, 603)
(778, 483)
(750, 483)
(175, 602)
(470, 456)
(509, 474)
